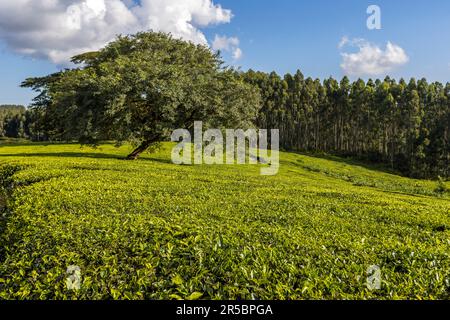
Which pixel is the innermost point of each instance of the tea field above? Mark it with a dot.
(150, 229)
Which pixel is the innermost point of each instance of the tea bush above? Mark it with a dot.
(153, 230)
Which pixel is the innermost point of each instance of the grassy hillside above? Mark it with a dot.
(150, 229)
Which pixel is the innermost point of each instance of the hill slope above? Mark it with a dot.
(150, 229)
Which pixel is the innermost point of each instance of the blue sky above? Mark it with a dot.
(283, 35)
(305, 34)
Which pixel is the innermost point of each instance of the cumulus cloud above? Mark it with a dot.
(58, 29)
(370, 59)
(228, 44)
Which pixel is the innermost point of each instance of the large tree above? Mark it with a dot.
(139, 89)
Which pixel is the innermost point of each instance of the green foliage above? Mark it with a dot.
(153, 230)
(12, 121)
(139, 89)
(441, 186)
(19, 124)
(403, 125)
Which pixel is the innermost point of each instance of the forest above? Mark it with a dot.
(13, 121)
(18, 122)
(404, 125)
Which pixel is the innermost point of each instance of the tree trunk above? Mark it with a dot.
(137, 152)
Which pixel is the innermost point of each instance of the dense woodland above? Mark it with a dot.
(12, 121)
(405, 125)
(18, 122)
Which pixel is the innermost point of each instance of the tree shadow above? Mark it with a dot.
(88, 155)
(374, 166)
(147, 158)
(93, 155)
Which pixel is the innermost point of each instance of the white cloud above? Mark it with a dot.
(344, 41)
(237, 54)
(226, 44)
(59, 29)
(370, 59)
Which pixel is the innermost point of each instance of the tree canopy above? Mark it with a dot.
(140, 88)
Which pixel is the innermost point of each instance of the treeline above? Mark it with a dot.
(403, 124)
(18, 122)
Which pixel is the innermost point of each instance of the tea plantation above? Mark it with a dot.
(152, 230)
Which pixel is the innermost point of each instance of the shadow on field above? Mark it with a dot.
(164, 161)
(89, 155)
(27, 143)
(64, 155)
(380, 167)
